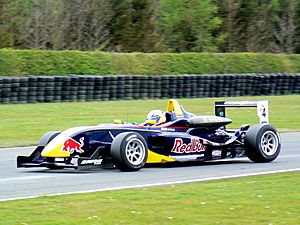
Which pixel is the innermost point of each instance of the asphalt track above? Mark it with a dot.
(30, 182)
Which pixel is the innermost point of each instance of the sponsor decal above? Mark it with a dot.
(240, 103)
(168, 129)
(91, 161)
(72, 146)
(216, 153)
(186, 158)
(194, 146)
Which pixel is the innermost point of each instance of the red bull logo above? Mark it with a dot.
(72, 146)
(193, 147)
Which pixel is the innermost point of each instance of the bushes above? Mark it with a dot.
(36, 62)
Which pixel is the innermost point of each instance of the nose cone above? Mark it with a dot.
(55, 148)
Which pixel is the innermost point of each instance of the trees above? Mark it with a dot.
(41, 27)
(189, 25)
(68, 24)
(152, 25)
(58, 25)
(132, 26)
(4, 37)
(228, 11)
(297, 32)
(260, 26)
(14, 16)
(285, 32)
(85, 25)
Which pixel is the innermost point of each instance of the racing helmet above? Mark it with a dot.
(156, 117)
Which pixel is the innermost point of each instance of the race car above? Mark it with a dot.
(174, 135)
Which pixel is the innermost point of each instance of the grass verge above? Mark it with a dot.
(252, 200)
(24, 124)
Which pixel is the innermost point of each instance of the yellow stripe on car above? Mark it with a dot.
(157, 158)
(54, 148)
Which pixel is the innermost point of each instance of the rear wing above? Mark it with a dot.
(262, 108)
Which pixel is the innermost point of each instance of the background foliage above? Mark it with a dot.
(46, 62)
(152, 25)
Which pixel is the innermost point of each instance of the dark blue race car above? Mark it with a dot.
(173, 135)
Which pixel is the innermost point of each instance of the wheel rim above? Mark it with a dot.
(269, 143)
(135, 151)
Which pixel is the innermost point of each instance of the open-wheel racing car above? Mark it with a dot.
(174, 135)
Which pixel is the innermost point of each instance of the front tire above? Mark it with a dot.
(262, 143)
(47, 137)
(129, 151)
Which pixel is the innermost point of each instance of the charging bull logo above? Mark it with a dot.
(193, 147)
(72, 146)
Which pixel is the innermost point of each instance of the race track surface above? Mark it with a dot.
(28, 182)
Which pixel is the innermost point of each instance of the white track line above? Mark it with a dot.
(35, 177)
(18, 148)
(157, 184)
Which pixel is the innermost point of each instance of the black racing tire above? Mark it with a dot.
(129, 151)
(47, 137)
(262, 143)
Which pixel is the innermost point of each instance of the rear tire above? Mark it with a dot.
(129, 151)
(262, 143)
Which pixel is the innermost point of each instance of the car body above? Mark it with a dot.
(183, 137)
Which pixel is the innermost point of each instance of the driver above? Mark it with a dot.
(156, 117)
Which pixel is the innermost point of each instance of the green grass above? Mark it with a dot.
(23, 124)
(253, 200)
(44, 62)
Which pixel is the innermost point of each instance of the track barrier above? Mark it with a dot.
(73, 88)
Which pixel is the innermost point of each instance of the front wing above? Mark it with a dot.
(79, 163)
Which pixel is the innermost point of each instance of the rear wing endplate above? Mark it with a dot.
(262, 108)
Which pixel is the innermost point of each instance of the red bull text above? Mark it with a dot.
(193, 147)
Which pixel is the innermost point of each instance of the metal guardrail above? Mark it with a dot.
(32, 89)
